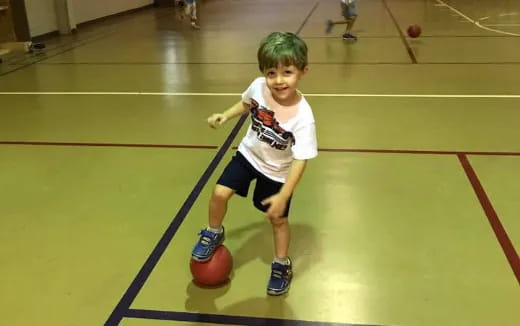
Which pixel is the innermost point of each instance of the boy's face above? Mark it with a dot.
(282, 81)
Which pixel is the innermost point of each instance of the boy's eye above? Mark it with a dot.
(288, 72)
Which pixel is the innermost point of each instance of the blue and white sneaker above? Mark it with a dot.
(280, 279)
(205, 247)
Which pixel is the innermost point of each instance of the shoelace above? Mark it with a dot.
(205, 240)
(277, 274)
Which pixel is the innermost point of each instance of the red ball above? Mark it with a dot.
(414, 31)
(214, 271)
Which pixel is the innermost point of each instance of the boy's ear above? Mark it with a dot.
(305, 70)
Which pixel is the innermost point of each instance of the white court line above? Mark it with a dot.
(305, 94)
(477, 23)
(503, 25)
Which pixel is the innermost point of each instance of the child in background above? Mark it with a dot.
(348, 10)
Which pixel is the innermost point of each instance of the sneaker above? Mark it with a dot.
(280, 280)
(205, 247)
(329, 26)
(195, 25)
(349, 37)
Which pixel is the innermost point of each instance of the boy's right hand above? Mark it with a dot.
(216, 120)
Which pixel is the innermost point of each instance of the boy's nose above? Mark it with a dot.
(279, 79)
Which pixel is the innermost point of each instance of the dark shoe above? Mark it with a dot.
(329, 26)
(349, 37)
(280, 279)
(205, 247)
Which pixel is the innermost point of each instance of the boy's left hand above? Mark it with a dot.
(277, 204)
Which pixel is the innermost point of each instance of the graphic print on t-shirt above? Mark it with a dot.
(267, 129)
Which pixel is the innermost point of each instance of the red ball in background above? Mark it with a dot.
(215, 271)
(414, 31)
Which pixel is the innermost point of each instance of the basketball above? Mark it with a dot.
(414, 31)
(214, 271)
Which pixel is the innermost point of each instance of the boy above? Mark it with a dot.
(191, 11)
(275, 150)
(348, 10)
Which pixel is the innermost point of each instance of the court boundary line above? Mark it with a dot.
(401, 34)
(92, 144)
(228, 319)
(239, 94)
(473, 21)
(496, 225)
(186, 146)
(123, 306)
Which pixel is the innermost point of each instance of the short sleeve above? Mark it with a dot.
(306, 145)
(250, 91)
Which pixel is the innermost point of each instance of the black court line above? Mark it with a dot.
(46, 57)
(307, 18)
(122, 308)
(227, 319)
(403, 37)
(494, 220)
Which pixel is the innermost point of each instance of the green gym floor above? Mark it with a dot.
(408, 217)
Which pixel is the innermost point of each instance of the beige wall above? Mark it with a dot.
(42, 14)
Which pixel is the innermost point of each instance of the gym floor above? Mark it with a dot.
(408, 217)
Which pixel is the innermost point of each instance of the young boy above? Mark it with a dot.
(191, 11)
(275, 150)
(348, 10)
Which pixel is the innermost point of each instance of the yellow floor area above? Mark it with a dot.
(104, 146)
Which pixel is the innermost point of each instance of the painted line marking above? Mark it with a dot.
(494, 220)
(226, 319)
(337, 150)
(411, 54)
(305, 94)
(477, 23)
(135, 287)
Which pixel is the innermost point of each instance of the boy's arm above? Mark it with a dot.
(278, 202)
(217, 119)
(294, 176)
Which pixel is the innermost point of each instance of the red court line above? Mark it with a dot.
(494, 221)
(337, 150)
(46, 143)
(411, 151)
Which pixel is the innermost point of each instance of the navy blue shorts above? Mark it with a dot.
(238, 175)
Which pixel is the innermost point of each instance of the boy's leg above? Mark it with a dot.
(350, 23)
(235, 179)
(191, 10)
(350, 14)
(218, 205)
(281, 237)
(281, 268)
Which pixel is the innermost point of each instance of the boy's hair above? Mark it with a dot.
(282, 48)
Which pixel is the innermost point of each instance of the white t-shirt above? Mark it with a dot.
(277, 134)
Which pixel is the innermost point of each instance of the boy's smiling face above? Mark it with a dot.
(282, 81)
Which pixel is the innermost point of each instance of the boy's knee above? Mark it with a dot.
(221, 193)
(279, 221)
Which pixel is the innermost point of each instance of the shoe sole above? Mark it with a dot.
(200, 260)
(276, 293)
